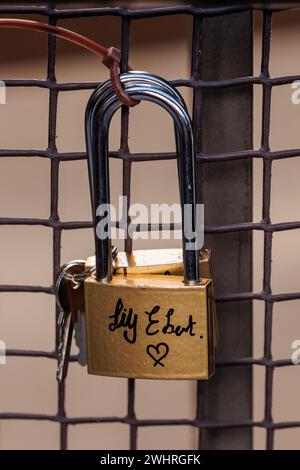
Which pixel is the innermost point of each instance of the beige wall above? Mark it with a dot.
(27, 320)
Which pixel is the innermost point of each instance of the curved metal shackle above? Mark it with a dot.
(100, 95)
(98, 117)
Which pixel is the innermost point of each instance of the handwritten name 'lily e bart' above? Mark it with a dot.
(128, 320)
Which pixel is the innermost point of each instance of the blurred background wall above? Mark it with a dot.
(27, 320)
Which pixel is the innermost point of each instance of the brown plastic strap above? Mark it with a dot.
(111, 57)
(112, 60)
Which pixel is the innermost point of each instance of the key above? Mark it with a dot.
(80, 339)
(70, 297)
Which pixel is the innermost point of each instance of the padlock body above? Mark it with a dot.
(149, 327)
(162, 261)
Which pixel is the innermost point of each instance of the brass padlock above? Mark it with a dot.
(146, 325)
(161, 262)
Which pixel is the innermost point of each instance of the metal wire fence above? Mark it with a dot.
(195, 82)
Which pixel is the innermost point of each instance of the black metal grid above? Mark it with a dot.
(194, 81)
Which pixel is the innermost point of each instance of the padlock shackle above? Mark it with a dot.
(99, 113)
(99, 96)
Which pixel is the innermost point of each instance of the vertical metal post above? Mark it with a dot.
(223, 122)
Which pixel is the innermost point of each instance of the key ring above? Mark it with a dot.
(77, 278)
(64, 273)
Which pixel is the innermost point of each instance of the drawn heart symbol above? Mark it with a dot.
(158, 353)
